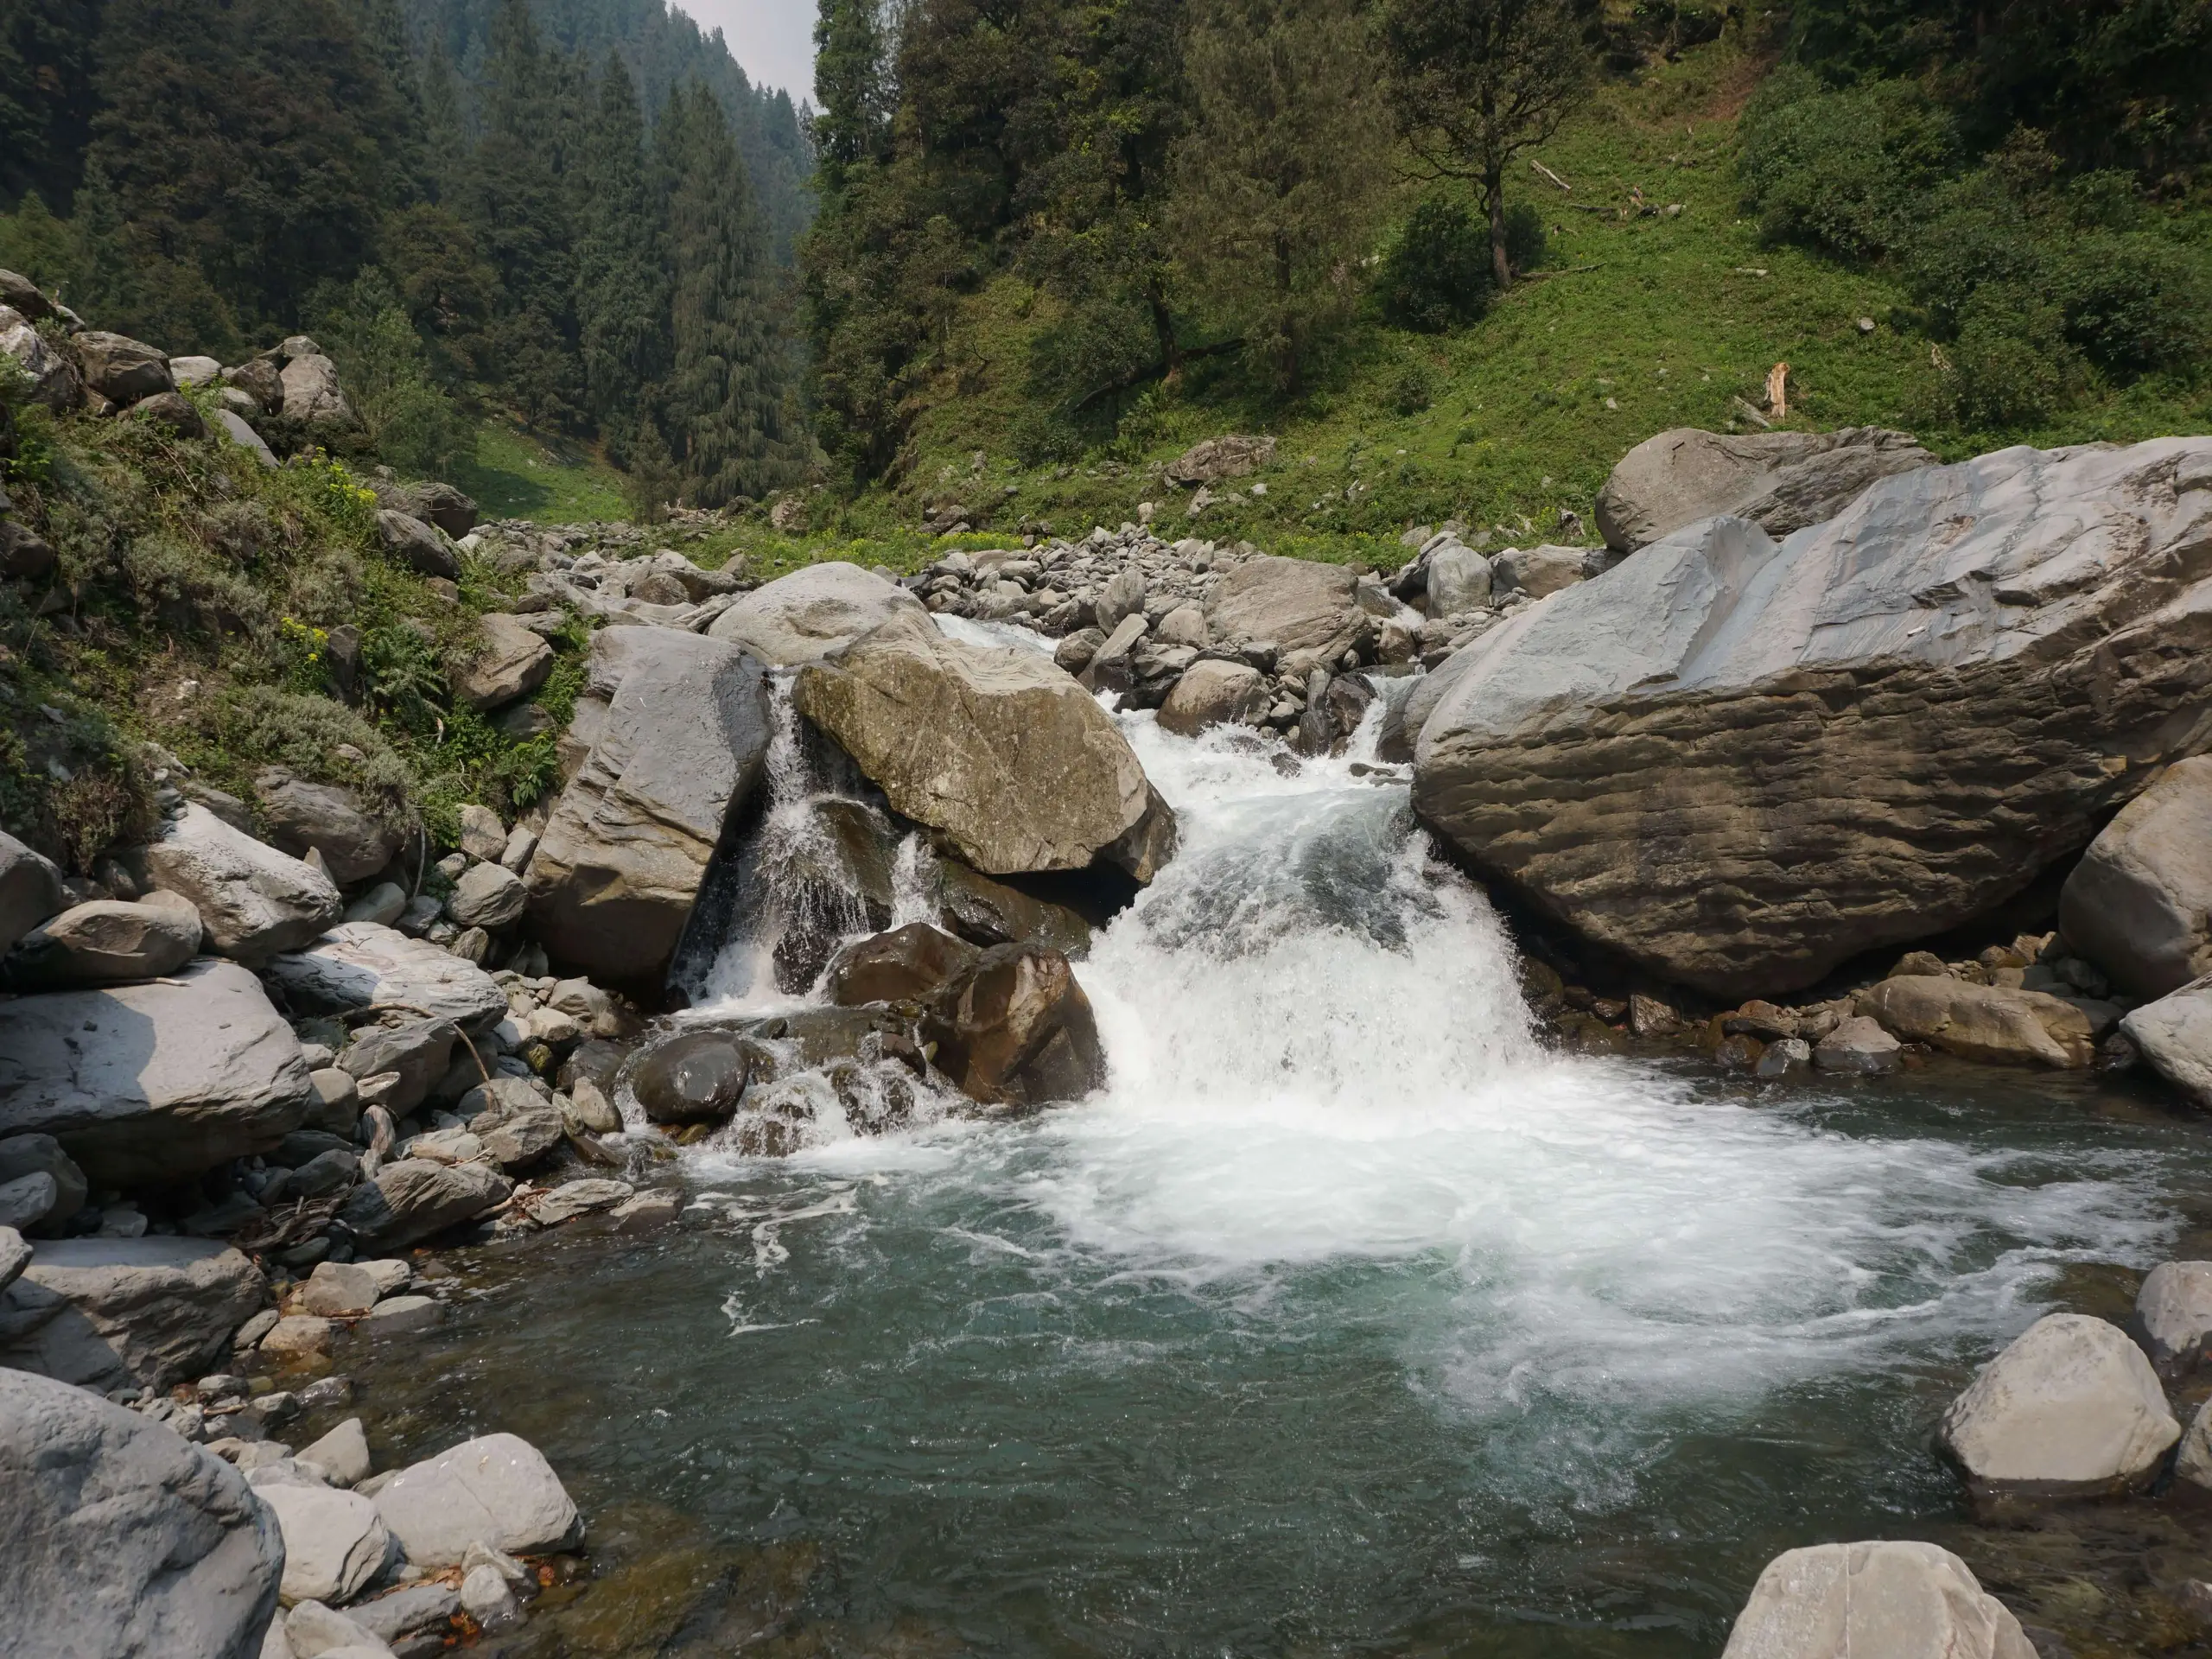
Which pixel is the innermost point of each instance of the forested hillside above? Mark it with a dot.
(476, 207)
(1459, 257)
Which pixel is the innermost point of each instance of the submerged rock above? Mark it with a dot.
(2071, 1408)
(997, 748)
(1741, 763)
(1887, 1600)
(122, 1540)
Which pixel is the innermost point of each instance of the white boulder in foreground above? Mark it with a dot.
(334, 1542)
(2071, 1408)
(119, 1540)
(1873, 1601)
(497, 1490)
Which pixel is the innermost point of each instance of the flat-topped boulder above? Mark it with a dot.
(122, 1540)
(149, 1084)
(110, 1313)
(1781, 481)
(680, 749)
(1740, 762)
(805, 616)
(2001, 1025)
(1297, 604)
(253, 900)
(365, 964)
(998, 748)
(103, 942)
(414, 1198)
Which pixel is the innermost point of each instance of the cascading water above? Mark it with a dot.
(1347, 1316)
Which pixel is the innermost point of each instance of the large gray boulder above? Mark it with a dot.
(2071, 1408)
(489, 896)
(2174, 1035)
(365, 964)
(1297, 604)
(1458, 579)
(1740, 763)
(681, 748)
(1781, 481)
(148, 1084)
(111, 1312)
(997, 748)
(412, 1200)
(805, 616)
(54, 380)
(1213, 694)
(252, 900)
(312, 393)
(354, 843)
(122, 1540)
(497, 1490)
(1887, 1600)
(103, 942)
(2139, 903)
(507, 661)
(30, 890)
(121, 369)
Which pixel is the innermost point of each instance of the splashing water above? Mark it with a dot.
(1369, 1269)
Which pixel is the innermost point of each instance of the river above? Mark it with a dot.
(1348, 1318)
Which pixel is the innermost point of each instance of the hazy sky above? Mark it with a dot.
(772, 39)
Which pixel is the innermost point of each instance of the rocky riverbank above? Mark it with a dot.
(1831, 760)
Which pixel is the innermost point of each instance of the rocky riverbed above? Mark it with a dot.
(1379, 918)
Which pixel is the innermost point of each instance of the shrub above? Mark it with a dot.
(1842, 170)
(1436, 270)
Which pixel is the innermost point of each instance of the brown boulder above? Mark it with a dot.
(1015, 1028)
(896, 967)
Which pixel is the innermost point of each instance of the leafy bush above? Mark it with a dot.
(386, 371)
(1436, 270)
(1842, 170)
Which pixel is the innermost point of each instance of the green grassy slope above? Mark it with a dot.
(1639, 320)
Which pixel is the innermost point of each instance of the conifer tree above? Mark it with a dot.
(621, 282)
(728, 421)
(848, 82)
(1281, 177)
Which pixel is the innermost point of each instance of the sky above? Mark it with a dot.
(772, 39)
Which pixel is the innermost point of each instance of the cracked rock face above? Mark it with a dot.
(1740, 763)
(1004, 753)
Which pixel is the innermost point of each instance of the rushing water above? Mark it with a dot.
(1347, 1318)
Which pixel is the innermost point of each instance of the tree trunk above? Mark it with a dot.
(1163, 329)
(1494, 200)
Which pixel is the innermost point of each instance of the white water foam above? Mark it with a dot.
(1319, 1061)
